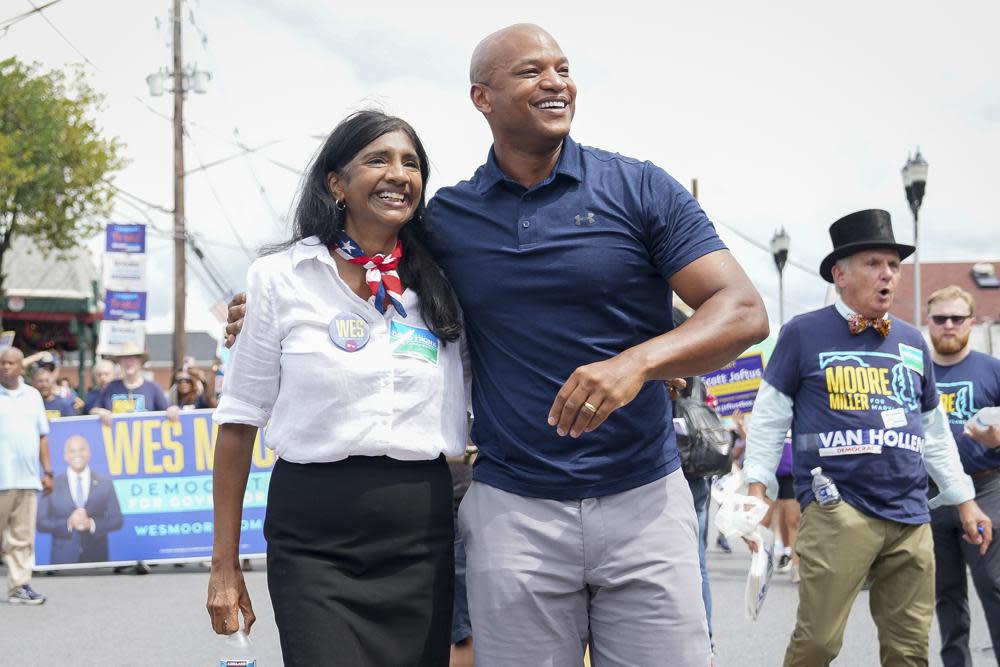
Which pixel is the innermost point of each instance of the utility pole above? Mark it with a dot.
(180, 266)
(183, 80)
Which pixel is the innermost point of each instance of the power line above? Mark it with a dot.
(234, 156)
(59, 32)
(7, 23)
(222, 207)
(766, 248)
(148, 204)
(213, 64)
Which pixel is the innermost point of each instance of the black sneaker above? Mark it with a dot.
(25, 595)
(784, 563)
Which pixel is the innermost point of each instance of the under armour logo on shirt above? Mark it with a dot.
(588, 220)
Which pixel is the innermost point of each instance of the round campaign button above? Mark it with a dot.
(349, 332)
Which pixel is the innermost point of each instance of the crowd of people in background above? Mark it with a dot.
(34, 393)
(119, 384)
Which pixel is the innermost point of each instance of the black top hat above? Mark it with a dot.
(863, 230)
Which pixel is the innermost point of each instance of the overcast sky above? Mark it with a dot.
(788, 113)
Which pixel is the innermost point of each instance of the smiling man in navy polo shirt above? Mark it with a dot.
(579, 525)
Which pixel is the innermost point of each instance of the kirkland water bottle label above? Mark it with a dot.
(237, 663)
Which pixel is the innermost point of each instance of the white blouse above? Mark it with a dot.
(400, 394)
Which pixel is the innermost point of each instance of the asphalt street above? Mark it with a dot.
(94, 617)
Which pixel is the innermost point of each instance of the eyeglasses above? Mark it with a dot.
(186, 379)
(957, 320)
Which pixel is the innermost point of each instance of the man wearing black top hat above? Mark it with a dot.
(857, 389)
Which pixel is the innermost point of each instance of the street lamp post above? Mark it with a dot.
(915, 182)
(184, 79)
(779, 248)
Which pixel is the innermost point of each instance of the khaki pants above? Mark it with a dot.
(17, 524)
(838, 547)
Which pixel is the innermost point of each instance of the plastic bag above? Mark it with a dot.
(738, 514)
(761, 569)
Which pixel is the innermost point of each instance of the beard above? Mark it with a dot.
(950, 344)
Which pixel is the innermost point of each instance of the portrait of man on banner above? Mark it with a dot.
(81, 510)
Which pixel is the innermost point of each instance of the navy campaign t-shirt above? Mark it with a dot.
(58, 406)
(858, 402)
(119, 399)
(966, 388)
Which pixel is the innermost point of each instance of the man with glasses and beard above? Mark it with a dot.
(968, 381)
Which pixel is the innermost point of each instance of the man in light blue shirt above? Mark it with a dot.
(24, 443)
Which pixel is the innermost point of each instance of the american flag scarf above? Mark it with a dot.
(380, 271)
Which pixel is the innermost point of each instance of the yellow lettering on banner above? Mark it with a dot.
(150, 445)
(263, 457)
(948, 403)
(204, 444)
(122, 451)
(172, 462)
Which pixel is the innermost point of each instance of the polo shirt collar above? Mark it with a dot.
(846, 311)
(570, 164)
(311, 248)
(14, 392)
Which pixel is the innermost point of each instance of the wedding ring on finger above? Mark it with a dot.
(589, 406)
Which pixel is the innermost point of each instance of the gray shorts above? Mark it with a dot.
(545, 576)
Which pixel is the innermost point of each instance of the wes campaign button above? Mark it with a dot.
(349, 332)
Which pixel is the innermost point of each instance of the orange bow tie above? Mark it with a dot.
(858, 323)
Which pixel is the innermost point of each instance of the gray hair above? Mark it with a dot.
(103, 364)
(844, 263)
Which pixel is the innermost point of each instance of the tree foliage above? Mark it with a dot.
(55, 163)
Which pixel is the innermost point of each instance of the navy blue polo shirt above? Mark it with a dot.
(966, 388)
(570, 272)
(858, 401)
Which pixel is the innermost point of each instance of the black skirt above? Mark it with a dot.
(360, 563)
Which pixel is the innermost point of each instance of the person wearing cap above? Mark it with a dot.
(857, 389)
(132, 392)
(968, 381)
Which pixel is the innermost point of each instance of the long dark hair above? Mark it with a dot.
(316, 214)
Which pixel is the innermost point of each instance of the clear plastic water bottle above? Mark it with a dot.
(988, 417)
(824, 489)
(238, 652)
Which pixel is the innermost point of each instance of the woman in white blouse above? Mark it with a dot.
(349, 355)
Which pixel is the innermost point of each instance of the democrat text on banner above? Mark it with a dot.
(149, 496)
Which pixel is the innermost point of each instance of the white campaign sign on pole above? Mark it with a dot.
(118, 336)
(124, 273)
(124, 279)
